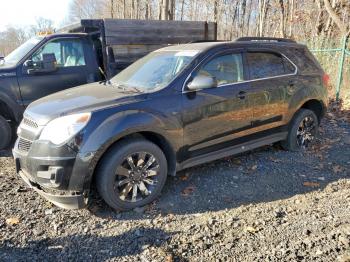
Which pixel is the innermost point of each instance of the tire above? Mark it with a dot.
(117, 159)
(293, 141)
(6, 133)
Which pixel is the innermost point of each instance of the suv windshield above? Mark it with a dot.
(16, 55)
(154, 71)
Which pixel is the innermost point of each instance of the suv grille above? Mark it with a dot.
(24, 144)
(30, 123)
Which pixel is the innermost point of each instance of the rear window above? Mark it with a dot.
(264, 64)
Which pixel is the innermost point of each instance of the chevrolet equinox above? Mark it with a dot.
(175, 108)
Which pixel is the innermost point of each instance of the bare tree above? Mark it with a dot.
(42, 25)
(11, 38)
(344, 29)
(80, 9)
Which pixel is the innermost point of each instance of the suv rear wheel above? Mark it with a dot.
(6, 133)
(302, 130)
(132, 174)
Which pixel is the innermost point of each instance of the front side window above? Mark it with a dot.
(225, 69)
(263, 65)
(68, 52)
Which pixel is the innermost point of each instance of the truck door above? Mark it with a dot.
(72, 69)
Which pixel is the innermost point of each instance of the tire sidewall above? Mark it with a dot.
(292, 135)
(6, 133)
(114, 159)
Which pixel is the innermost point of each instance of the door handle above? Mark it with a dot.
(291, 88)
(241, 95)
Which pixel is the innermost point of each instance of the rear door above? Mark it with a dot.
(73, 70)
(214, 117)
(271, 77)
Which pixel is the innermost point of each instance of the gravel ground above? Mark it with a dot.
(266, 205)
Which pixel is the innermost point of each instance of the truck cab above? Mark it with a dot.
(42, 66)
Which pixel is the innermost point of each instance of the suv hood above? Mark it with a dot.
(85, 98)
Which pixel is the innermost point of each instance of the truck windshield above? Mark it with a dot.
(16, 55)
(154, 71)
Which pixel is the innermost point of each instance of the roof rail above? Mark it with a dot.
(264, 39)
(205, 41)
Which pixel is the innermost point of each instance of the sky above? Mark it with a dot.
(24, 12)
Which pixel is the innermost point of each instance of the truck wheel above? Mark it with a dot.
(6, 133)
(131, 174)
(303, 130)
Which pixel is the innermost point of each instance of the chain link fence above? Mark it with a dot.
(335, 60)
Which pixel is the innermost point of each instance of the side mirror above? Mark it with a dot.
(46, 65)
(202, 82)
(1, 57)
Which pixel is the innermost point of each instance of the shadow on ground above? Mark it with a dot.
(86, 247)
(265, 175)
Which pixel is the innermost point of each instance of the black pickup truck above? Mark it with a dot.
(90, 51)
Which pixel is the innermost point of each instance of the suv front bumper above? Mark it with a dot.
(48, 169)
(64, 201)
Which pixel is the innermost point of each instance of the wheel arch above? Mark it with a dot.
(10, 109)
(151, 136)
(316, 106)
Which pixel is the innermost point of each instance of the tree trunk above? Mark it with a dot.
(337, 20)
(124, 9)
(216, 3)
(282, 18)
(291, 18)
(249, 16)
(182, 10)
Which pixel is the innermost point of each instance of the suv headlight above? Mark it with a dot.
(63, 128)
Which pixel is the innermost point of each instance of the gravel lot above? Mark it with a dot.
(266, 205)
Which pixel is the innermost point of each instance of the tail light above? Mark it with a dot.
(326, 79)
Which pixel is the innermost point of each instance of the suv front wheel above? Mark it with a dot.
(303, 130)
(131, 174)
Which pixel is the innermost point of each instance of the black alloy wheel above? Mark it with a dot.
(137, 176)
(306, 132)
(131, 174)
(302, 130)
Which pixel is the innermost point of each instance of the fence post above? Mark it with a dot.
(341, 67)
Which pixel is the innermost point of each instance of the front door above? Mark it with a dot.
(213, 118)
(71, 69)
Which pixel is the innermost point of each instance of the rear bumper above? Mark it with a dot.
(75, 201)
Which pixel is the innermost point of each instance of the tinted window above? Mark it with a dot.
(289, 68)
(306, 61)
(262, 65)
(68, 52)
(225, 69)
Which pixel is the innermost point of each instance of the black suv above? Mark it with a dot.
(177, 107)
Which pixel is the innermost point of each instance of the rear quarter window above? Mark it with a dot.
(305, 61)
(265, 64)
